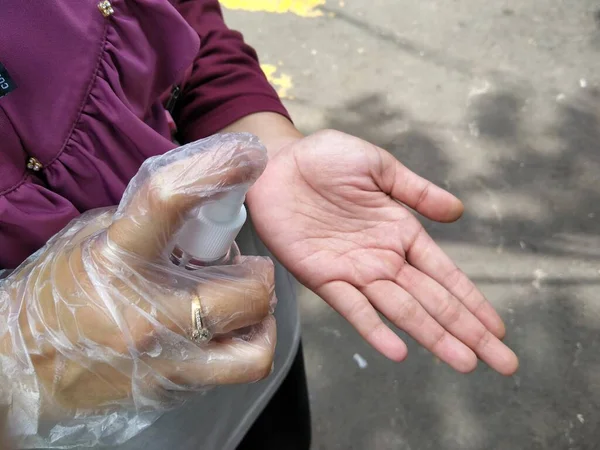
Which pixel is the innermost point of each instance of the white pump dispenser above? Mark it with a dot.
(209, 237)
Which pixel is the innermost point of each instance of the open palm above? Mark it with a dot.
(331, 209)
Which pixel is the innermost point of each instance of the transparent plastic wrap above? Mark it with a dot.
(98, 329)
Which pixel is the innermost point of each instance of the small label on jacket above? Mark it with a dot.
(6, 82)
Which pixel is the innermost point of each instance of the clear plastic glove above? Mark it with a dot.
(95, 327)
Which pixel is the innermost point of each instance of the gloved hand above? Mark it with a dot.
(95, 328)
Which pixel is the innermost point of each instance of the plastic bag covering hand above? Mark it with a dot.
(95, 327)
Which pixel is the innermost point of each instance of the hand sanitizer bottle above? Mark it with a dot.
(208, 239)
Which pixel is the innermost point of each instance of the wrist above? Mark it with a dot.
(277, 143)
(274, 130)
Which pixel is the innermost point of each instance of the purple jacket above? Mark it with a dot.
(87, 108)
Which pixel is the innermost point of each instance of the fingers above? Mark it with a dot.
(426, 256)
(406, 313)
(458, 320)
(416, 192)
(243, 359)
(237, 304)
(168, 187)
(229, 305)
(246, 358)
(355, 307)
(231, 297)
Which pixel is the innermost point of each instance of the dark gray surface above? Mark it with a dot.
(500, 104)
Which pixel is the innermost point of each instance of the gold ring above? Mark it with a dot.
(199, 332)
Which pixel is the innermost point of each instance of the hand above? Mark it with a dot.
(331, 208)
(96, 328)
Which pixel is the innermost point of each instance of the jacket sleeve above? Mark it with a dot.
(226, 82)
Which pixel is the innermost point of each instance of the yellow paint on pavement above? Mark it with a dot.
(282, 82)
(302, 8)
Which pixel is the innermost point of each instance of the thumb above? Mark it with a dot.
(168, 187)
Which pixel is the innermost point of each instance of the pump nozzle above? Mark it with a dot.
(227, 208)
(209, 235)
